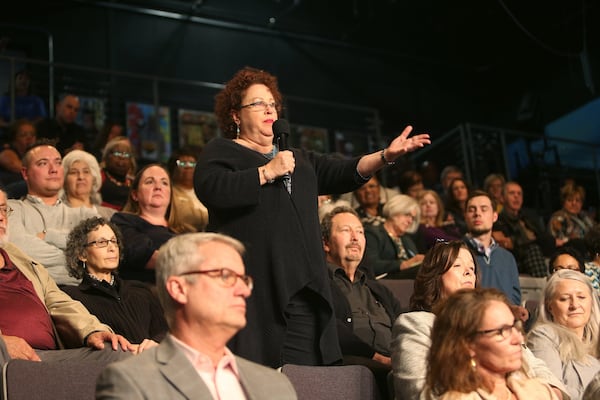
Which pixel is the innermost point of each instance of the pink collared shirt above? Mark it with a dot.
(222, 381)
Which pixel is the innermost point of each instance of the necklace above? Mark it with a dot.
(112, 279)
(117, 182)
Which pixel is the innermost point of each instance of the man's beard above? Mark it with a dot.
(479, 232)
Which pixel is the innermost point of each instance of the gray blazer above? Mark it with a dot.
(576, 375)
(411, 340)
(164, 372)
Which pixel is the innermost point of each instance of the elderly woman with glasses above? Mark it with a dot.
(181, 166)
(476, 351)
(447, 268)
(265, 195)
(565, 335)
(118, 168)
(93, 254)
(82, 182)
(390, 250)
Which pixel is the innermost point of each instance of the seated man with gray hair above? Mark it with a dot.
(202, 286)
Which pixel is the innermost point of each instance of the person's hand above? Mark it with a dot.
(402, 144)
(96, 340)
(503, 240)
(380, 358)
(145, 345)
(412, 262)
(283, 163)
(19, 348)
(521, 313)
(529, 389)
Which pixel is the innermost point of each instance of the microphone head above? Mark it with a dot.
(281, 127)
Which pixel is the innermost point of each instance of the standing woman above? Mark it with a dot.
(240, 180)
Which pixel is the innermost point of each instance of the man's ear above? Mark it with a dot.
(177, 289)
(325, 245)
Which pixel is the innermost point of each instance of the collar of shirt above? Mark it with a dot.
(359, 276)
(480, 247)
(38, 200)
(202, 363)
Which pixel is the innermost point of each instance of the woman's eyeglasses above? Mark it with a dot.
(228, 277)
(260, 106)
(100, 243)
(501, 333)
(185, 164)
(121, 154)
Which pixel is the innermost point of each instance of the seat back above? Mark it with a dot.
(30, 380)
(402, 290)
(348, 382)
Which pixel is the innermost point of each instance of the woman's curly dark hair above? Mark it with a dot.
(77, 243)
(230, 98)
(428, 286)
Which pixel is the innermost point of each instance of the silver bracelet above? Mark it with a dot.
(384, 160)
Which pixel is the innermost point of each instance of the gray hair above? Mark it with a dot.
(403, 204)
(79, 155)
(180, 254)
(570, 346)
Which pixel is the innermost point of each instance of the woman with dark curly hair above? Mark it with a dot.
(93, 252)
(447, 268)
(240, 179)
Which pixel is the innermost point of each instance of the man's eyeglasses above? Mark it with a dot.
(121, 154)
(100, 243)
(501, 333)
(228, 277)
(6, 211)
(260, 106)
(185, 164)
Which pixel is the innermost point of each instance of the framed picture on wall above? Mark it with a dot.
(149, 131)
(309, 138)
(196, 128)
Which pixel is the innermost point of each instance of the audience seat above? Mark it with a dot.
(402, 289)
(347, 382)
(531, 288)
(30, 380)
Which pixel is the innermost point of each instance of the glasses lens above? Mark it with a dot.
(184, 164)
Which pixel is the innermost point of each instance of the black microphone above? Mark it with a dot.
(281, 130)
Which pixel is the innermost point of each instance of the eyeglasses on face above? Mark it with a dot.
(100, 243)
(260, 106)
(6, 210)
(185, 164)
(121, 154)
(501, 333)
(228, 277)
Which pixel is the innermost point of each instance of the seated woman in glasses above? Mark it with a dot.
(476, 351)
(118, 167)
(147, 221)
(81, 187)
(565, 335)
(447, 267)
(181, 166)
(93, 254)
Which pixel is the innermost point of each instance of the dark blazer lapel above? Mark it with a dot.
(179, 372)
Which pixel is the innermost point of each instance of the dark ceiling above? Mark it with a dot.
(472, 34)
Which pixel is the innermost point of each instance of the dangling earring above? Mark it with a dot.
(473, 364)
(84, 265)
(237, 131)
